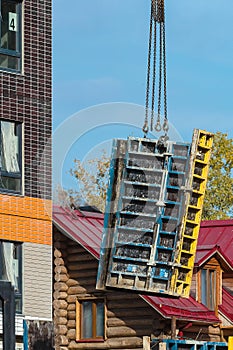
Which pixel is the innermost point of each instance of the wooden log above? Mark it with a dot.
(123, 331)
(61, 321)
(61, 277)
(59, 261)
(71, 307)
(117, 322)
(124, 343)
(71, 324)
(93, 346)
(124, 296)
(83, 266)
(117, 343)
(71, 315)
(214, 330)
(173, 327)
(59, 237)
(215, 338)
(59, 295)
(75, 249)
(71, 282)
(62, 246)
(72, 243)
(60, 304)
(59, 347)
(84, 273)
(60, 269)
(84, 281)
(60, 313)
(60, 287)
(122, 304)
(71, 334)
(60, 329)
(128, 313)
(74, 290)
(57, 253)
(203, 330)
(71, 299)
(80, 257)
(62, 340)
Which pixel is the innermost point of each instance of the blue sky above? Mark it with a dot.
(100, 56)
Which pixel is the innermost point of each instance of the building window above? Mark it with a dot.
(11, 34)
(10, 157)
(11, 268)
(90, 319)
(209, 288)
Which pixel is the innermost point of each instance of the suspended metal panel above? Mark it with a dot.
(147, 200)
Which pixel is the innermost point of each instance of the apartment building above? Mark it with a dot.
(25, 170)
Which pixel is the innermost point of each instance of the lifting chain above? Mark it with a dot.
(157, 21)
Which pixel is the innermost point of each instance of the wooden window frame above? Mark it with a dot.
(79, 330)
(218, 280)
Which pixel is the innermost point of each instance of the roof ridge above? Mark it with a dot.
(218, 223)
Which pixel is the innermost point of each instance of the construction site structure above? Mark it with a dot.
(153, 213)
(175, 344)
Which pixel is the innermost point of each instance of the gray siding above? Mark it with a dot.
(37, 281)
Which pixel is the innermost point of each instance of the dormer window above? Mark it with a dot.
(208, 288)
(209, 285)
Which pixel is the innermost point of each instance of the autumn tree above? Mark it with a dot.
(218, 202)
(92, 179)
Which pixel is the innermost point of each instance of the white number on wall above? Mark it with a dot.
(12, 21)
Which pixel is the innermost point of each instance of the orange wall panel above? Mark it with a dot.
(26, 219)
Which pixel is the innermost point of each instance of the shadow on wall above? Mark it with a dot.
(40, 335)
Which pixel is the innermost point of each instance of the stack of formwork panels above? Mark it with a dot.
(144, 244)
(197, 180)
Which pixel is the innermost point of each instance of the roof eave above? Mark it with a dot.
(179, 318)
(62, 230)
(209, 255)
(225, 316)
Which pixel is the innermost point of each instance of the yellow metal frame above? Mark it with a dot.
(199, 166)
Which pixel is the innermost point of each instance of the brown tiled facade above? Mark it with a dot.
(27, 97)
(26, 214)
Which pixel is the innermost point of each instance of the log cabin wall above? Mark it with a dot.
(227, 281)
(211, 333)
(129, 318)
(193, 290)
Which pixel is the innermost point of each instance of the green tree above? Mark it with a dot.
(92, 179)
(218, 202)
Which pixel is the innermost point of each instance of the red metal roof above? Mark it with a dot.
(182, 308)
(215, 235)
(227, 302)
(86, 229)
(83, 227)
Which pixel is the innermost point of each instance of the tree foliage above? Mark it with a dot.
(92, 178)
(218, 202)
